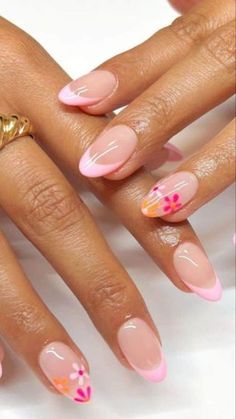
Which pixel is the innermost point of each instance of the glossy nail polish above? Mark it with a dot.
(109, 152)
(174, 154)
(1, 359)
(89, 89)
(195, 270)
(170, 194)
(66, 371)
(142, 349)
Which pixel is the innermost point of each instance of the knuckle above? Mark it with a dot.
(221, 46)
(18, 50)
(107, 293)
(27, 318)
(191, 28)
(14, 47)
(160, 109)
(47, 206)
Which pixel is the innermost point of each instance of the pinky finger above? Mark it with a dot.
(36, 335)
(197, 181)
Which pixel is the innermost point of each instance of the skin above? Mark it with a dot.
(189, 69)
(43, 204)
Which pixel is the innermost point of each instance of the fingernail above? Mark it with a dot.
(1, 359)
(174, 153)
(195, 270)
(66, 371)
(109, 152)
(142, 349)
(89, 89)
(170, 194)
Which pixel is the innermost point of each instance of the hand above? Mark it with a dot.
(43, 204)
(180, 73)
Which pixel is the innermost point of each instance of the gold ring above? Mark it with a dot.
(12, 127)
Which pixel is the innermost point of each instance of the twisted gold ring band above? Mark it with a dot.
(12, 127)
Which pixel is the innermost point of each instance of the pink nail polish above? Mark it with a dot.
(109, 152)
(89, 89)
(195, 270)
(1, 359)
(66, 371)
(174, 153)
(170, 194)
(142, 349)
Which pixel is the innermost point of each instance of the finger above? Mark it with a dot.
(197, 181)
(34, 333)
(183, 5)
(45, 207)
(121, 79)
(66, 133)
(170, 104)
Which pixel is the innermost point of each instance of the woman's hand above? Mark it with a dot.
(43, 204)
(180, 73)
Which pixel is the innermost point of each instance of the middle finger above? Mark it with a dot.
(205, 78)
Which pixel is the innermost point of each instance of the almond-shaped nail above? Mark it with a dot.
(89, 89)
(1, 359)
(170, 194)
(109, 152)
(142, 349)
(66, 371)
(195, 270)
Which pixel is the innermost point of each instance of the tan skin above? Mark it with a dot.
(43, 204)
(176, 76)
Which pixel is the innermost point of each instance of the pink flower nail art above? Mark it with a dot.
(83, 395)
(66, 371)
(172, 203)
(170, 194)
(80, 373)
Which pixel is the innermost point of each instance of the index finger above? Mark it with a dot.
(122, 78)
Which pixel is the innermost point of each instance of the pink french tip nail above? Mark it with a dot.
(170, 194)
(142, 349)
(195, 270)
(174, 154)
(89, 89)
(1, 359)
(109, 152)
(66, 371)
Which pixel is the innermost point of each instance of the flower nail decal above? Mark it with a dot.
(172, 203)
(67, 371)
(83, 395)
(80, 373)
(170, 195)
(61, 384)
(81, 386)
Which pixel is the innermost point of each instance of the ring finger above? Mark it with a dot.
(46, 208)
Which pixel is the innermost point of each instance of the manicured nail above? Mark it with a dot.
(89, 89)
(1, 359)
(66, 371)
(142, 349)
(174, 153)
(109, 152)
(170, 194)
(195, 270)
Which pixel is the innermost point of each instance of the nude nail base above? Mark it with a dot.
(142, 350)
(66, 371)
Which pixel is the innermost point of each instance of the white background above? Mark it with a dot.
(198, 336)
